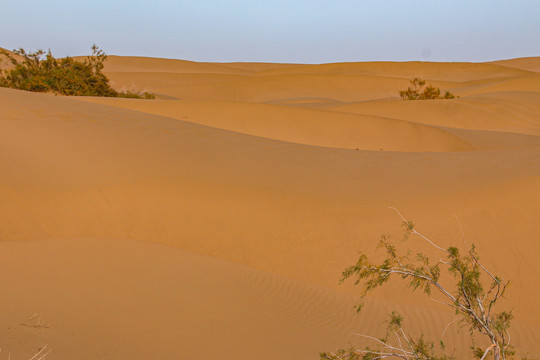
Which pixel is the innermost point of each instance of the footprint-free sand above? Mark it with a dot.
(214, 222)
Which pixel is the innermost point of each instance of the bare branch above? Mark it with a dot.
(447, 325)
(471, 299)
(407, 339)
(417, 233)
(487, 350)
(400, 344)
(42, 353)
(386, 345)
(385, 354)
(462, 233)
(444, 303)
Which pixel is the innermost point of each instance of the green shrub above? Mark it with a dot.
(40, 71)
(417, 91)
(470, 291)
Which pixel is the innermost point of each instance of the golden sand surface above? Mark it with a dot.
(214, 222)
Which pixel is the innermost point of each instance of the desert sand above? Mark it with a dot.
(214, 222)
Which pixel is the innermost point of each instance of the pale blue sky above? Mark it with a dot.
(310, 31)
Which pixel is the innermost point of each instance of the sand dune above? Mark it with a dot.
(347, 82)
(216, 226)
(145, 64)
(507, 111)
(528, 63)
(207, 308)
(258, 67)
(238, 82)
(453, 72)
(269, 88)
(528, 83)
(303, 126)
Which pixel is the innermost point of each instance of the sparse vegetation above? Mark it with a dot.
(42, 353)
(468, 289)
(40, 71)
(36, 321)
(417, 91)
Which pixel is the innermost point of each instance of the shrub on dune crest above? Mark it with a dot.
(468, 289)
(40, 71)
(417, 91)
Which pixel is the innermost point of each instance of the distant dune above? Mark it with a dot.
(214, 222)
(528, 63)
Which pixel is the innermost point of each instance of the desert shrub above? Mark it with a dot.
(40, 71)
(469, 290)
(417, 91)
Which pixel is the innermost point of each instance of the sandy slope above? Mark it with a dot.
(515, 111)
(216, 226)
(159, 302)
(303, 126)
(528, 63)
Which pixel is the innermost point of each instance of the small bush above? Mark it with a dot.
(470, 291)
(417, 91)
(40, 71)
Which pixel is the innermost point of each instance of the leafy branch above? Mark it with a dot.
(40, 71)
(471, 297)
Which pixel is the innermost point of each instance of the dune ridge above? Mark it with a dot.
(303, 126)
(526, 63)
